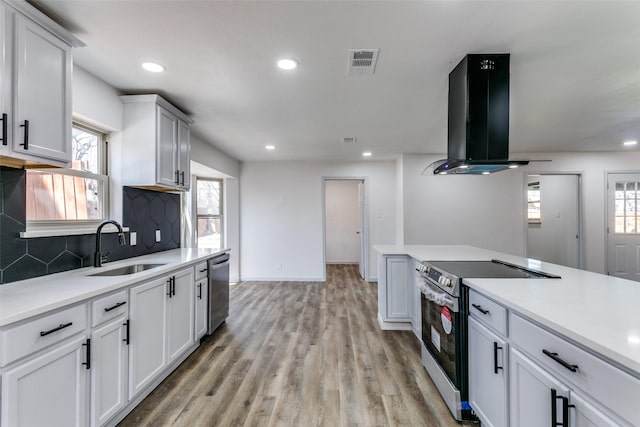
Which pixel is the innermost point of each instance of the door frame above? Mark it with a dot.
(579, 175)
(607, 173)
(365, 221)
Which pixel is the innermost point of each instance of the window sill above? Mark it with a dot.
(30, 234)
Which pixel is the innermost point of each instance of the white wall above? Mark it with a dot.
(98, 104)
(483, 211)
(554, 238)
(488, 211)
(343, 221)
(204, 153)
(281, 216)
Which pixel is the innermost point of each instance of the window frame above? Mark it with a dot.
(534, 186)
(63, 225)
(210, 216)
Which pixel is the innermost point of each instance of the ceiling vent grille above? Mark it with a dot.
(349, 140)
(362, 61)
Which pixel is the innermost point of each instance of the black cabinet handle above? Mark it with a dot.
(25, 144)
(554, 356)
(50, 331)
(496, 347)
(115, 306)
(182, 178)
(88, 362)
(173, 280)
(177, 177)
(199, 290)
(169, 282)
(480, 309)
(203, 270)
(554, 409)
(126, 324)
(4, 129)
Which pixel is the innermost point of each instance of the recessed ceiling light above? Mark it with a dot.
(486, 173)
(153, 67)
(443, 173)
(270, 147)
(513, 166)
(367, 154)
(630, 142)
(287, 64)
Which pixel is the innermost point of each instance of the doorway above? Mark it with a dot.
(623, 225)
(553, 219)
(345, 231)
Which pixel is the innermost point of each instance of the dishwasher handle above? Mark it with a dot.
(218, 262)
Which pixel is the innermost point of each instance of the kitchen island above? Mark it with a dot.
(591, 317)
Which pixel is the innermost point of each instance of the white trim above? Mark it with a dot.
(282, 279)
(53, 232)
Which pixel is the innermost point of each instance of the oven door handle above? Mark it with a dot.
(439, 298)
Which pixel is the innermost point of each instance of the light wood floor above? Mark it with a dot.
(299, 354)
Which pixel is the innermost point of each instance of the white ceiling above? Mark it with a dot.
(575, 69)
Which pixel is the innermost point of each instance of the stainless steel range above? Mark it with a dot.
(444, 309)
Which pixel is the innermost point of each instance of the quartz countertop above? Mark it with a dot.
(595, 311)
(27, 298)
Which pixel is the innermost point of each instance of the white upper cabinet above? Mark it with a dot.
(153, 125)
(35, 68)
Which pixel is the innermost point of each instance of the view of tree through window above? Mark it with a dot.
(209, 213)
(533, 202)
(626, 208)
(70, 194)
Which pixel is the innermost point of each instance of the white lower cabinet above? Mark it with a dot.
(180, 314)
(201, 298)
(161, 316)
(50, 389)
(531, 393)
(109, 370)
(488, 386)
(148, 340)
(395, 298)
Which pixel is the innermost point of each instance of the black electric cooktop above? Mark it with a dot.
(494, 269)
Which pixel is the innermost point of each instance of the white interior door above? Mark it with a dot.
(623, 225)
(363, 246)
(553, 235)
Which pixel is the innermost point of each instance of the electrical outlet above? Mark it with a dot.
(157, 235)
(133, 237)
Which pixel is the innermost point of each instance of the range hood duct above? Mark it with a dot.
(478, 125)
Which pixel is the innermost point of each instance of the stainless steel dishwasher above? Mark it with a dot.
(218, 291)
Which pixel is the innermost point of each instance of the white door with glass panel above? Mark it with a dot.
(623, 227)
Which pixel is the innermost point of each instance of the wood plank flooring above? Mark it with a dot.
(299, 354)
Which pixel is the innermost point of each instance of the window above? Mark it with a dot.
(533, 203)
(626, 208)
(209, 213)
(64, 197)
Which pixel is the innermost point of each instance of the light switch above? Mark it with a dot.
(133, 238)
(157, 235)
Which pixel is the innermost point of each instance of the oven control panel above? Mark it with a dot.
(442, 279)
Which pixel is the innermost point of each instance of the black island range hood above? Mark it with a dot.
(478, 125)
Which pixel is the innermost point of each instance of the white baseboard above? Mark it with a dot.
(394, 326)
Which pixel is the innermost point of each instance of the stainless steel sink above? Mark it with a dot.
(127, 269)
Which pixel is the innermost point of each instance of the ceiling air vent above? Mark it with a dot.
(362, 61)
(349, 139)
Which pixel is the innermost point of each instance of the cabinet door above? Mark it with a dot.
(184, 154)
(586, 415)
(43, 93)
(50, 390)
(202, 297)
(531, 392)
(180, 314)
(147, 342)
(487, 375)
(397, 292)
(108, 370)
(167, 155)
(6, 89)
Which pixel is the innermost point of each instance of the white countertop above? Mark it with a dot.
(27, 298)
(599, 312)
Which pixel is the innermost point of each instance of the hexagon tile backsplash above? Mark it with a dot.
(144, 212)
